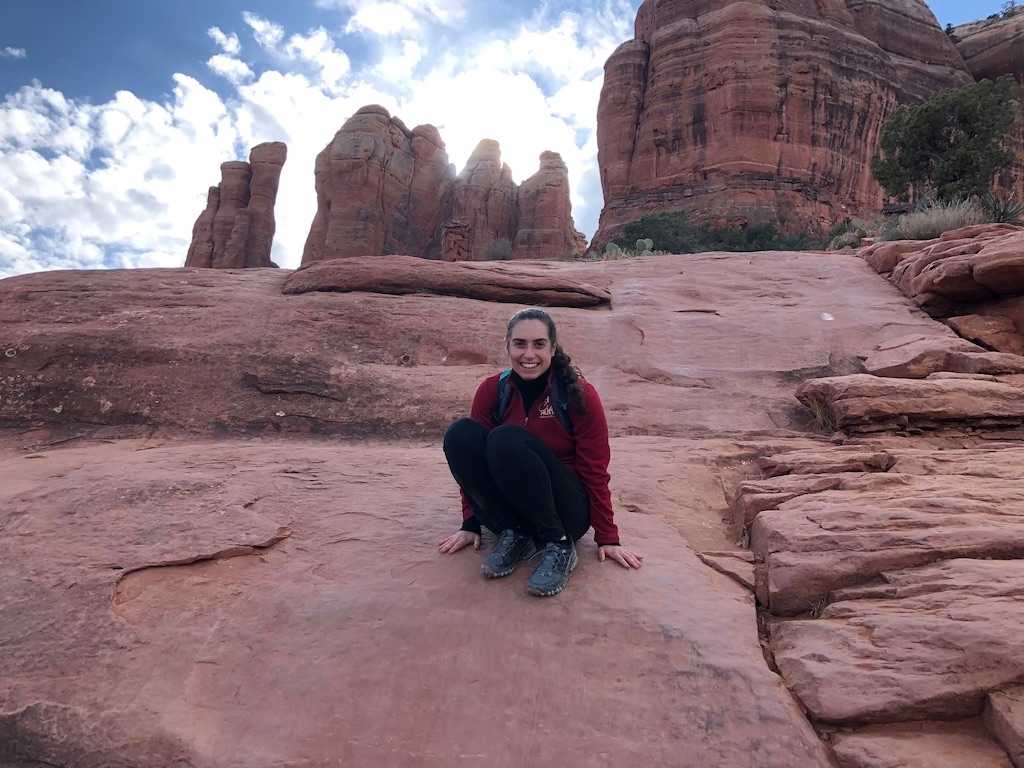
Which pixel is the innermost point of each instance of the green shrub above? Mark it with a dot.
(673, 232)
(499, 250)
(645, 244)
(934, 218)
(848, 239)
(1002, 210)
(951, 146)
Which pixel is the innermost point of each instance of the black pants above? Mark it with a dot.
(514, 481)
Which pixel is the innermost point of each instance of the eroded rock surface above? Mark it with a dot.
(236, 230)
(267, 598)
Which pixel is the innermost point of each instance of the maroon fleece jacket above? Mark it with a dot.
(586, 452)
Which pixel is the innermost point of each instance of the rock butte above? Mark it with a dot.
(223, 492)
(383, 189)
(739, 112)
(236, 230)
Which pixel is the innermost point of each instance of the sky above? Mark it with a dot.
(114, 121)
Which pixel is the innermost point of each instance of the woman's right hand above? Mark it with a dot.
(459, 540)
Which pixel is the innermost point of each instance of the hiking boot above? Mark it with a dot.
(557, 561)
(512, 548)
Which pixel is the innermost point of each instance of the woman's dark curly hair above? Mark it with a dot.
(561, 363)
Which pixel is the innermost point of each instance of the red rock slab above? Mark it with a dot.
(405, 274)
(738, 566)
(994, 332)
(921, 357)
(963, 744)
(820, 541)
(1004, 715)
(861, 403)
(352, 640)
(927, 642)
(841, 458)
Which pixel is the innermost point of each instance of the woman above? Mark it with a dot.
(532, 462)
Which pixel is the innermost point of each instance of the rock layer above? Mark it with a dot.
(402, 275)
(743, 112)
(383, 189)
(236, 230)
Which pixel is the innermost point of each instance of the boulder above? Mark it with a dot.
(236, 229)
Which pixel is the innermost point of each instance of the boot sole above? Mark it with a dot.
(552, 592)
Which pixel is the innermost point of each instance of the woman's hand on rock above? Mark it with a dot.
(624, 557)
(459, 540)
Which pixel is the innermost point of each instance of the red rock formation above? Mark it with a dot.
(740, 111)
(377, 186)
(236, 229)
(545, 218)
(383, 190)
(484, 204)
(992, 48)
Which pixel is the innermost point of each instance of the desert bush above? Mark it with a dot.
(848, 239)
(645, 244)
(499, 250)
(674, 232)
(1000, 210)
(935, 217)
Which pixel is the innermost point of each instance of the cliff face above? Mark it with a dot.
(383, 189)
(236, 229)
(992, 48)
(769, 111)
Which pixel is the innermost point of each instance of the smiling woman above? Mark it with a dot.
(532, 462)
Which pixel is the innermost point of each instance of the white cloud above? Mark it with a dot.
(121, 183)
(13, 53)
(230, 68)
(267, 33)
(317, 48)
(228, 43)
(395, 17)
(399, 64)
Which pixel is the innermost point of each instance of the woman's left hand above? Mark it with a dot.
(624, 557)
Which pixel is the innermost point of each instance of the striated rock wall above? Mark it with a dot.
(236, 229)
(761, 111)
(383, 189)
(992, 48)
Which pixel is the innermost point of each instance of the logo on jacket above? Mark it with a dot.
(547, 411)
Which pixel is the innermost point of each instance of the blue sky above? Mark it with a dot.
(115, 115)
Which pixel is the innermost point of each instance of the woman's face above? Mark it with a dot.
(529, 349)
